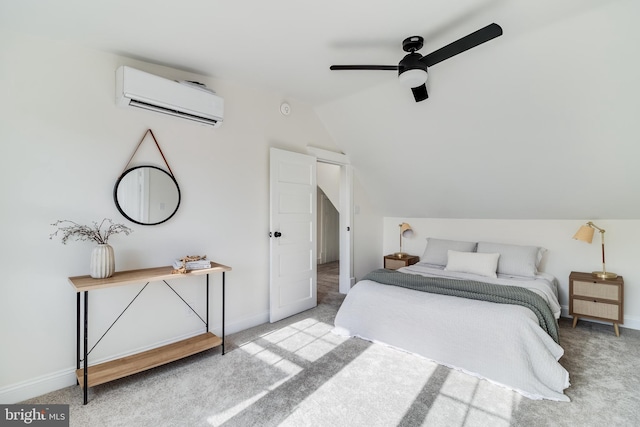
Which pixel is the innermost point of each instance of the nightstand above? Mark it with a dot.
(595, 298)
(392, 262)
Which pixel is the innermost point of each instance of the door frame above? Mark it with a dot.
(345, 211)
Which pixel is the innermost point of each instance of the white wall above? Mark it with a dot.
(367, 241)
(329, 180)
(328, 235)
(563, 253)
(63, 144)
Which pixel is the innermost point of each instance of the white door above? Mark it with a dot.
(293, 271)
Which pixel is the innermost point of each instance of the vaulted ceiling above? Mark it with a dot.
(539, 123)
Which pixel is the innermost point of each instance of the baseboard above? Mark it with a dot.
(38, 386)
(246, 323)
(631, 322)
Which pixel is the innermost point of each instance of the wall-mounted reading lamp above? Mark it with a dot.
(585, 234)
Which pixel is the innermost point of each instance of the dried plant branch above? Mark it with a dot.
(98, 233)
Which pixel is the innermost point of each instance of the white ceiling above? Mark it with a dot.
(539, 123)
(283, 45)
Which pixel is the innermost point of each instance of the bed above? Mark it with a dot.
(507, 343)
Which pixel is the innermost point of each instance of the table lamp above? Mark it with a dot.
(585, 234)
(405, 231)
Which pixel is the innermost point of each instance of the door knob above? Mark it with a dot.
(277, 234)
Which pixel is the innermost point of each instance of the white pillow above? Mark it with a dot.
(472, 262)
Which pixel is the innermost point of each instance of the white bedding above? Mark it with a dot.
(500, 342)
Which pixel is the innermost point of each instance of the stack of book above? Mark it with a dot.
(192, 265)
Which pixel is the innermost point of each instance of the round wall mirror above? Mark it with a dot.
(147, 195)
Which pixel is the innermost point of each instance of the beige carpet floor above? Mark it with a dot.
(297, 373)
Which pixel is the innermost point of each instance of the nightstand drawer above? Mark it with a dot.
(596, 309)
(596, 290)
(392, 262)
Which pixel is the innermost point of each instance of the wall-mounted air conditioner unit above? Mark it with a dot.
(187, 100)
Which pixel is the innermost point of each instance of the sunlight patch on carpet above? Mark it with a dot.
(399, 374)
(220, 418)
(465, 400)
(270, 358)
(308, 338)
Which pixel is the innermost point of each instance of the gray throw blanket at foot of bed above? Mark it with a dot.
(471, 289)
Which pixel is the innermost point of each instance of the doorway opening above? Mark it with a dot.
(334, 176)
(328, 240)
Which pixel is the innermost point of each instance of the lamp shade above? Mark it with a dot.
(584, 234)
(412, 72)
(413, 78)
(406, 230)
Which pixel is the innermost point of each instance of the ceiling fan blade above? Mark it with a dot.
(420, 93)
(467, 42)
(365, 67)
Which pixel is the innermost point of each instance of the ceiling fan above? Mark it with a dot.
(412, 69)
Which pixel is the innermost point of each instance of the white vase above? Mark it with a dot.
(103, 262)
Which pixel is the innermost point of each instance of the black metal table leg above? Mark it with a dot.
(86, 344)
(207, 302)
(78, 332)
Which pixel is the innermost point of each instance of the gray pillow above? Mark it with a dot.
(515, 260)
(436, 251)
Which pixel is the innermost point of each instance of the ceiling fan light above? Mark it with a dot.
(413, 78)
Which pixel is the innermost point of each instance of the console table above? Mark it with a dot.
(89, 376)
